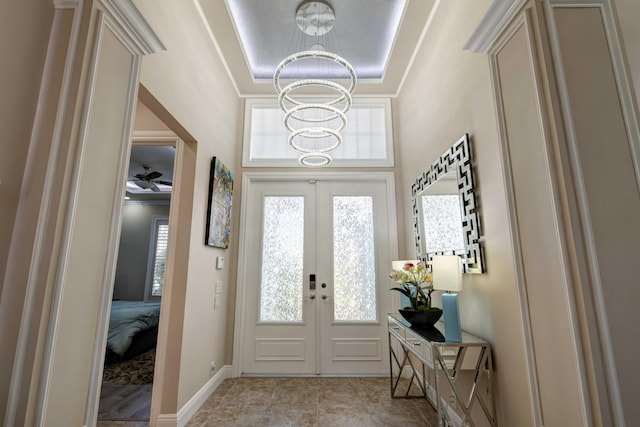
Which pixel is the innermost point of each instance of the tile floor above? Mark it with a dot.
(298, 402)
(123, 424)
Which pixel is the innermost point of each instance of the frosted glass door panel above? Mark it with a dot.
(354, 259)
(279, 314)
(353, 263)
(281, 280)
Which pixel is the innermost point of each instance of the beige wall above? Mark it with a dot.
(195, 89)
(447, 94)
(24, 152)
(146, 120)
(602, 144)
(530, 168)
(22, 49)
(628, 12)
(133, 253)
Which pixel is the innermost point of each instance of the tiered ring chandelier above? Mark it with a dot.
(316, 125)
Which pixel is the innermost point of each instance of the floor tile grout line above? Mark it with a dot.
(362, 387)
(223, 397)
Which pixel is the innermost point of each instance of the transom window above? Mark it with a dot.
(367, 139)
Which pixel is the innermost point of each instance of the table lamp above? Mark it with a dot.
(447, 276)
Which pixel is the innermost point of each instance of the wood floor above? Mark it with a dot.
(125, 402)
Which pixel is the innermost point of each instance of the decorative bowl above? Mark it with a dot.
(421, 319)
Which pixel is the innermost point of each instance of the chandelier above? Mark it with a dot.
(315, 126)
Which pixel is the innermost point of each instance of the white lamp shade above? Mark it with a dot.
(447, 272)
(397, 265)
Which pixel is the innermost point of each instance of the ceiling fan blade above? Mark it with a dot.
(154, 187)
(163, 182)
(143, 184)
(153, 175)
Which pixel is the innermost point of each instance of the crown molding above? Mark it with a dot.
(499, 15)
(129, 17)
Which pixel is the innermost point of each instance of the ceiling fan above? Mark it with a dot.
(149, 179)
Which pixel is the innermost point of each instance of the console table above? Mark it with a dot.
(455, 377)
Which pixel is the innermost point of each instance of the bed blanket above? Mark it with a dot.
(127, 319)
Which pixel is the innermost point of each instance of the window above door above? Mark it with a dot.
(368, 136)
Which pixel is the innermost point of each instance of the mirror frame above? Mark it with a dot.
(457, 157)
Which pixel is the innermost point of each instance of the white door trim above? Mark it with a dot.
(250, 177)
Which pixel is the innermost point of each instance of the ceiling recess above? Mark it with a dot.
(315, 18)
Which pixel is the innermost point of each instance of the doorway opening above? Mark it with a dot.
(128, 371)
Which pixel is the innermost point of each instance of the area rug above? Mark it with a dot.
(138, 370)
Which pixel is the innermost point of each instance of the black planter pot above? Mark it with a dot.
(421, 319)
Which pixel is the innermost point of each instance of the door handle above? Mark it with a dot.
(325, 296)
(312, 296)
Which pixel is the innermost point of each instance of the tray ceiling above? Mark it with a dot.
(378, 37)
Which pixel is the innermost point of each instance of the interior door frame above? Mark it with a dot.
(248, 178)
(143, 138)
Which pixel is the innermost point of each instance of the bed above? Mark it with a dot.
(133, 329)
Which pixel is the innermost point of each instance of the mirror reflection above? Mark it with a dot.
(441, 218)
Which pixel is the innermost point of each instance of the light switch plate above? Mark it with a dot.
(220, 262)
(218, 288)
(216, 302)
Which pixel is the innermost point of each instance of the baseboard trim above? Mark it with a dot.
(167, 420)
(191, 407)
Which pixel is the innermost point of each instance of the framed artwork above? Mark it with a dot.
(219, 207)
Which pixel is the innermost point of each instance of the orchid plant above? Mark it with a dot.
(416, 283)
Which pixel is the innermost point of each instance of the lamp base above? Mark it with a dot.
(451, 318)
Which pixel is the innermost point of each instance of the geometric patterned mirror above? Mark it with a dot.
(445, 210)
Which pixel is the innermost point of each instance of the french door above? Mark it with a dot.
(316, 288)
